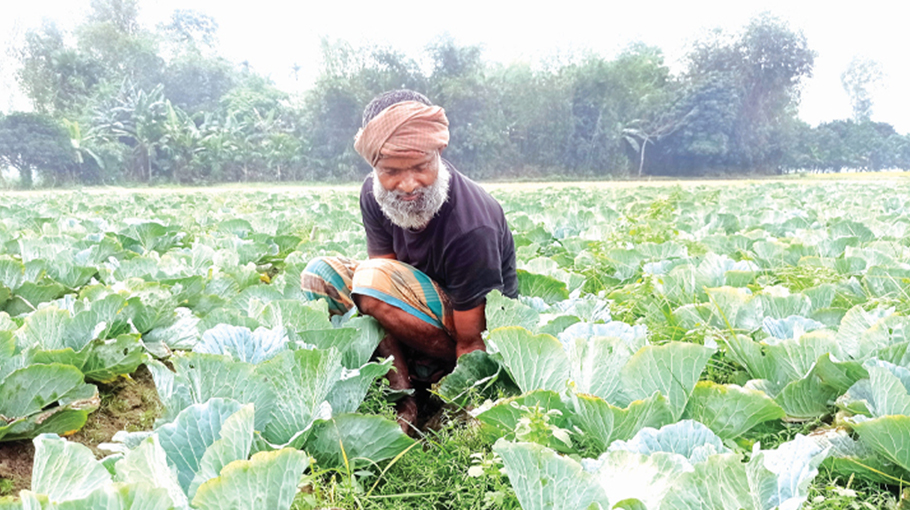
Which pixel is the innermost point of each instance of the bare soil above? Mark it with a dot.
(15, 466)
(130, 404)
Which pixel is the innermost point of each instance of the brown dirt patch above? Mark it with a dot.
(126, 404)
(15, 466)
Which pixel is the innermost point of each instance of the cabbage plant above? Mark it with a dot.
(158, 473)
(38, 398)
(883, 404)
(679, 467)
(607, 383)
(95, 339)
(303, 396)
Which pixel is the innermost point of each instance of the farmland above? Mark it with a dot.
(744, 344)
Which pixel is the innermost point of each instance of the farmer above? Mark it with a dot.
(437, 244)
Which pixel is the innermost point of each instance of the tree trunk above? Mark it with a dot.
(25, 177)
(641, 165)
(148, 163)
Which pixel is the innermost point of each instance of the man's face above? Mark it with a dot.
(406, 176)
(410, 191)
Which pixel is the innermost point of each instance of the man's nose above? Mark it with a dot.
(408, 183)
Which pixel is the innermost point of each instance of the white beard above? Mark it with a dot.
(414, 214)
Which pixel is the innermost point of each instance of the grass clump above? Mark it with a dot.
(7, 487)
(450, 468)
(831, 493)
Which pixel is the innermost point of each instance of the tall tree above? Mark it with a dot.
(765, 64)
(190, 30)
(57, 78)
(122, 14)
(861, 80)
(476, 125)
(197, 83)
(34, 142)
(139, 119)
(608, 96)
(113, 37)
(537, 117)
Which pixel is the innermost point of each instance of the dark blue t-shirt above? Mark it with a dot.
(466, 248)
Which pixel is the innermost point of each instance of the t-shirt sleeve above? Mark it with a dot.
(379, 239)
(473, 267)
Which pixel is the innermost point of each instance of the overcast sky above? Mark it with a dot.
(274, 34)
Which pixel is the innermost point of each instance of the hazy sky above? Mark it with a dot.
(272, 35)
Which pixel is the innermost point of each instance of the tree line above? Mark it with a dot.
(116, 102)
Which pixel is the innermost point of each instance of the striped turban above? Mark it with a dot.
(405, 129)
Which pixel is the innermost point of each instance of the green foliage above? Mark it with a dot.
(33, 142)
(159, 104)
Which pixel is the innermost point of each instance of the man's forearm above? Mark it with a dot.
(469, 325)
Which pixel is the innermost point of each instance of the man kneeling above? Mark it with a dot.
(437, 242)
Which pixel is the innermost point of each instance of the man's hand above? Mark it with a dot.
(407, 414)
(469, 324)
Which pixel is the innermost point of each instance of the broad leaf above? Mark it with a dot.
(200, 377)
(602, 423)
(355, 440)
(848, 457)
(502, 311)
(296, 316)
(644, 479)
(545, 287)
(689, 439)
(199, 427)
(672, 368)
(350, 390)
(268, 480)
(147, 464)
(64, 470)
(535, 362)
(543, 480)
(304, 379)
(242, 344)
(887, 435)
(137, 496)
(27, 393)
(780, 478)
(729, 410)
(475, 372)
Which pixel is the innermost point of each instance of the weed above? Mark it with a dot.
(772, 434)
(800, 278)
(721, 370)
(433, 475)
(6, 487)
(832, 493)
(377, 401)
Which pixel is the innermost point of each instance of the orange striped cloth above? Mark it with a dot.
(335, 279)
(406, 129)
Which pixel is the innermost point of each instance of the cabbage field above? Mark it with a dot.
(717, 347)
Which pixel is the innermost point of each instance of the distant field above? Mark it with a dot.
(871, 177)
